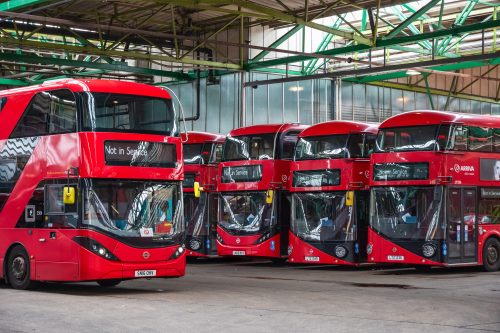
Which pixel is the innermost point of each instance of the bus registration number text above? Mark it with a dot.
(145, 273)
(396, 258)
(239, 253)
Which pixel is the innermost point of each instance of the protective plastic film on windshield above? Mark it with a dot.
(322, 217)
(140, 209)
(408, 213)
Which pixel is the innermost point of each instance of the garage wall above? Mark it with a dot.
(306, 102)
(372, 103)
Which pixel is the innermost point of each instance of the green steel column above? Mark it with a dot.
(428, 90)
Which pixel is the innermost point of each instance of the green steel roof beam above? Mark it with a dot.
(262, 11)
(322, 46)
(410, 8)
(85, 74)
(408, 22)
(411, 27)
(444, 68)
(429, 94)
(459, 40)
(113, 53)
(278, 42)
(117, 66)
(293, 19)
(13, 5)
(380, 43)
(433, 91)
(363, 19)
(464, 14)
(13, 82)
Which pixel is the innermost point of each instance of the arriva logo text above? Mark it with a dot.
(463, 168)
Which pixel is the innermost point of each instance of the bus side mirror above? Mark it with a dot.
(269, 196)
(197, 189)
(69, 196)
(349, 198)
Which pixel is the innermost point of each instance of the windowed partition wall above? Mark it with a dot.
(308, 102)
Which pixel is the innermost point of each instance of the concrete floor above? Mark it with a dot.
(243, 296)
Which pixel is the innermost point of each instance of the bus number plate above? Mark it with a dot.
(145, 273)
(239, 253)
(308, 258)
(396, 258)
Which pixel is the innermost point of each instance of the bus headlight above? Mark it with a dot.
(194, 244)
(95, 247)
(369, 249)
(180, 250)
(428, 250)
(219, 238)
(340, 251)
(263, 238)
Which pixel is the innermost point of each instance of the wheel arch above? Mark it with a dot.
(6, 258)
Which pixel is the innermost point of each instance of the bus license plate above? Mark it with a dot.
(239, 253)
(311, 258)
(145, 273)
(396, 258)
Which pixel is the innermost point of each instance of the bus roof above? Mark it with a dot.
(339, 127)
(267, 128)
(201, 137)
(94, 85)
(424, 117)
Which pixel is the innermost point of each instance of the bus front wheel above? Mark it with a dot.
(109, 283)
(18, 269)
(491, 255)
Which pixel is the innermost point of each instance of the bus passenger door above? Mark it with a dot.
(56, 254)
(212, 212)
(462, 225)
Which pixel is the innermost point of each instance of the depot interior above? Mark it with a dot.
(239, 63)
(231, 64)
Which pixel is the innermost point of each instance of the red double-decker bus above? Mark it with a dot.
(329, 193)
(254, 210)
(90, 183)
(435, 190)
(202, 154)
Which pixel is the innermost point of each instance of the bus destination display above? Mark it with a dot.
(401, 171)
(140, 153)
(315, 178)
(247, 173)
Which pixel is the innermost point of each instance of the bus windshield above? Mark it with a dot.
(322, 217)
(414, 138)
(408, 213)
(250, 147)
(192, 153)
(107, 112)
(151, 211)
(245, 213)
(321, 147)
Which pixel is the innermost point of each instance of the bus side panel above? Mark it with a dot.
(57, 255)
(31, 176)
(62, 153)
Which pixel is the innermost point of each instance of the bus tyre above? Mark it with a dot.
(18, 269)
(109, 283)
(491, 255)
